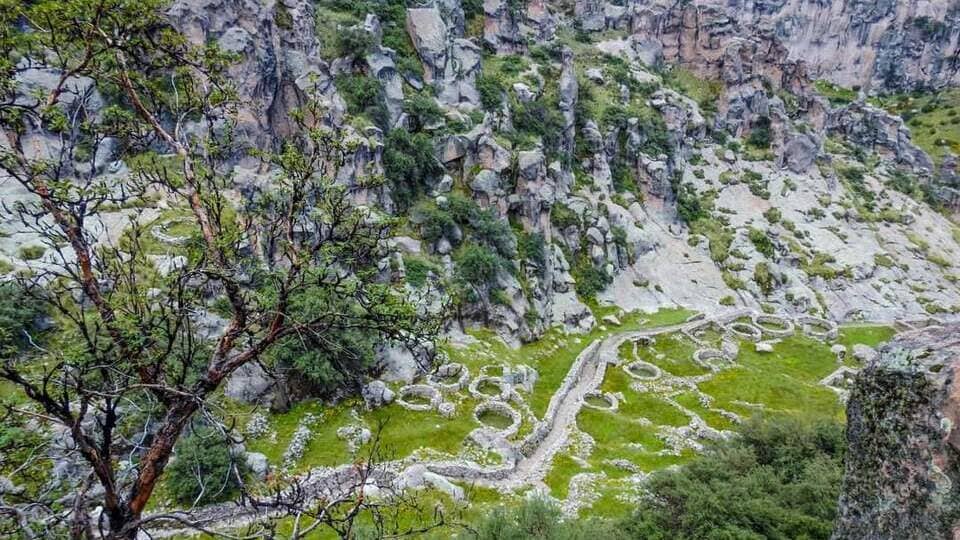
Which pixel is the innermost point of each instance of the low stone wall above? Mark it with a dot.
(420, 390)
(712, 359)
(655, 372)
(499, 407)
(543, 427)
(614, 404)
(450, 370)
(745, 331)
(817, 328)
(474, 386)
(787, 328)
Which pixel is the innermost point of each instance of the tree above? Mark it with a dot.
(129, 368)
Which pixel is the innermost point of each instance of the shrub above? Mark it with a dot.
(422, 111)
(478, 265)
(409, 164)
(689, 207)
(491, 91)
(590, 280)
(363, 95)
(761, 241)
(203, 471)
(773, 215)
(434, 222)
(353, 41)
(417, 269)
(728, 301)
(561, 216)
(531, 247)
(540, 119)
(764, 278)
(31, 253)
(779, 479)
(760, 133)
(17, 314)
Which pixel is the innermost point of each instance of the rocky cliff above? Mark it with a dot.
(902, 477)
(877, 46)
(644, 155)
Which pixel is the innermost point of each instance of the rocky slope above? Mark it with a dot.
(594, 166)
(903, 461)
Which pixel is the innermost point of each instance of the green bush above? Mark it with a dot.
(778, 479)
(362, 93)
(561, 216)
(203, 469)
(764, 278)
(352, 41)
(761, 241)
(422, 111)
(590, 280)
(434, 222)
(478, 265)
(760, 133)
(689, 206)
(31, 253)
(539, 118)
(409, 164)
(417, 270)
(538, 519)
(531, 247)
(18, 311)
(491, 91)
(773, 215)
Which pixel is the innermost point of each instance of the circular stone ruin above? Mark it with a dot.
(711, 358)
(451, 377)
(600, 400)
(418, 397)
(745, 331)
(638, 369)
(492, 370)
(498, 416)
(773, 325)
(818, 328)
(486, 387)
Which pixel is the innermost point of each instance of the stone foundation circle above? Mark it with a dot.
(499, 407)
(419, 390)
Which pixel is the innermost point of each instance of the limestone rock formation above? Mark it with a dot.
(902, 477)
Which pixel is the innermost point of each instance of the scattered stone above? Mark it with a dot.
(611, 320)
(764, 347)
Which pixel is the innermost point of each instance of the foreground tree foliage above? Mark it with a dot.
(131, 365)
(779, 479)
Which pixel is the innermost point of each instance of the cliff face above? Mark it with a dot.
(880, 46)
(902, 477)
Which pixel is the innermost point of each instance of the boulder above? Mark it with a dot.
(764, 347)
(863, 353)
(250, 383)
(376, 394)
(257, 464)
(902, 465)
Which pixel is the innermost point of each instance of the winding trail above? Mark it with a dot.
(536, 452)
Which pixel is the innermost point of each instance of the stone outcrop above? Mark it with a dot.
(279, 61)
(450, 63)
(898, 45)
(902, 477)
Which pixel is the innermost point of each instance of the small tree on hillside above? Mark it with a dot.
(134, 357)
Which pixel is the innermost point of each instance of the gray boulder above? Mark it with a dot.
(376, 394)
